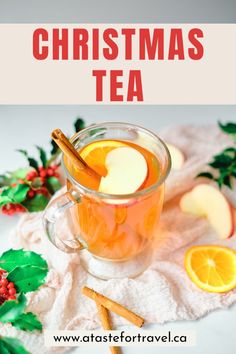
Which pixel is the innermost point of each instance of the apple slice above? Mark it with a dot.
(126, 171)
(189, 205)
(177, 157)
(205, 200)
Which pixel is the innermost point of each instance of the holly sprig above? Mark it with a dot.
(30, 189)
(9, 345)
(21, 272)
(223, 165)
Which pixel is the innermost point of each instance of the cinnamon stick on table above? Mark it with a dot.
(113, 306)
(106, 324)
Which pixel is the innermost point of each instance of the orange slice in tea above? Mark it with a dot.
(95, 154)
(212, 268)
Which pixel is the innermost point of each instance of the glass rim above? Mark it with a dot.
(140, 193)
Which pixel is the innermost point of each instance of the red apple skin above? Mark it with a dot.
(232, 219)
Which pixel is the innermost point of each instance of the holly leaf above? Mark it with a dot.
(32, 162)
(42, 155)
(20, 173)
(53, 184)
(4, 200)
(27, 322)
(9, 345)
(5, 180)
(221, 161)
(228, 128)
(54, 148)
(16, 194)
(11, 309)
(79, 124)
(206, 175)
(37, 203)
(11, 259)
(27, 278)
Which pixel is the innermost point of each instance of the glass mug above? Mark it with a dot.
(115, 234)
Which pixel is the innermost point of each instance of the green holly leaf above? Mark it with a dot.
(11, 309)
(27, 278)
(16, 194)
(20, 173)
(227, 181)
(221, 161)
(5, 180)
(27, 322)
(42, 155)
(9, 345)
(79, 124)
(230, 150)
(37, 203)
(228, 128)
(54, 148)
(11, 259)
(5, 200)
(32, 162)
(206, 175)
(53, 184)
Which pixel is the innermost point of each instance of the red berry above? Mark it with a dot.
(41, 168)
(31, 175)
(50, 172)
(10, 209)
(3, 282)
(13, 185)
(12, 297)
(42, 191)
(11, 285)
(19, 208)
(54, 167)
(43, 173)
(42, 179)
(5, 209)
(3, 290)
(31, 193)
(56, 175)
(2, 271)
(12, 291)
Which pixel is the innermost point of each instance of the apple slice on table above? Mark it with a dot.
(177, 157)
(205, 200)
(126, 171)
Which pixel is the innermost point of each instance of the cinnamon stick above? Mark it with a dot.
(106, 324)
(113, 306)
(69, 150)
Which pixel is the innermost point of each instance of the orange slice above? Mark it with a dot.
(211, 268)
(95, 154)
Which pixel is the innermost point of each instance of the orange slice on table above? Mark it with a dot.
(95, 154)
(211, 268)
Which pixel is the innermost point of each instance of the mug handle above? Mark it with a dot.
(53, 214)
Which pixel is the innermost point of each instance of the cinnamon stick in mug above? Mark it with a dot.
(113, 306)
(68, 149)
(106, 324)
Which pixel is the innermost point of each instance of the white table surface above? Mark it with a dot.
(25, 126)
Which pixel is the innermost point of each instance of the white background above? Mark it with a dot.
(24, 126)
